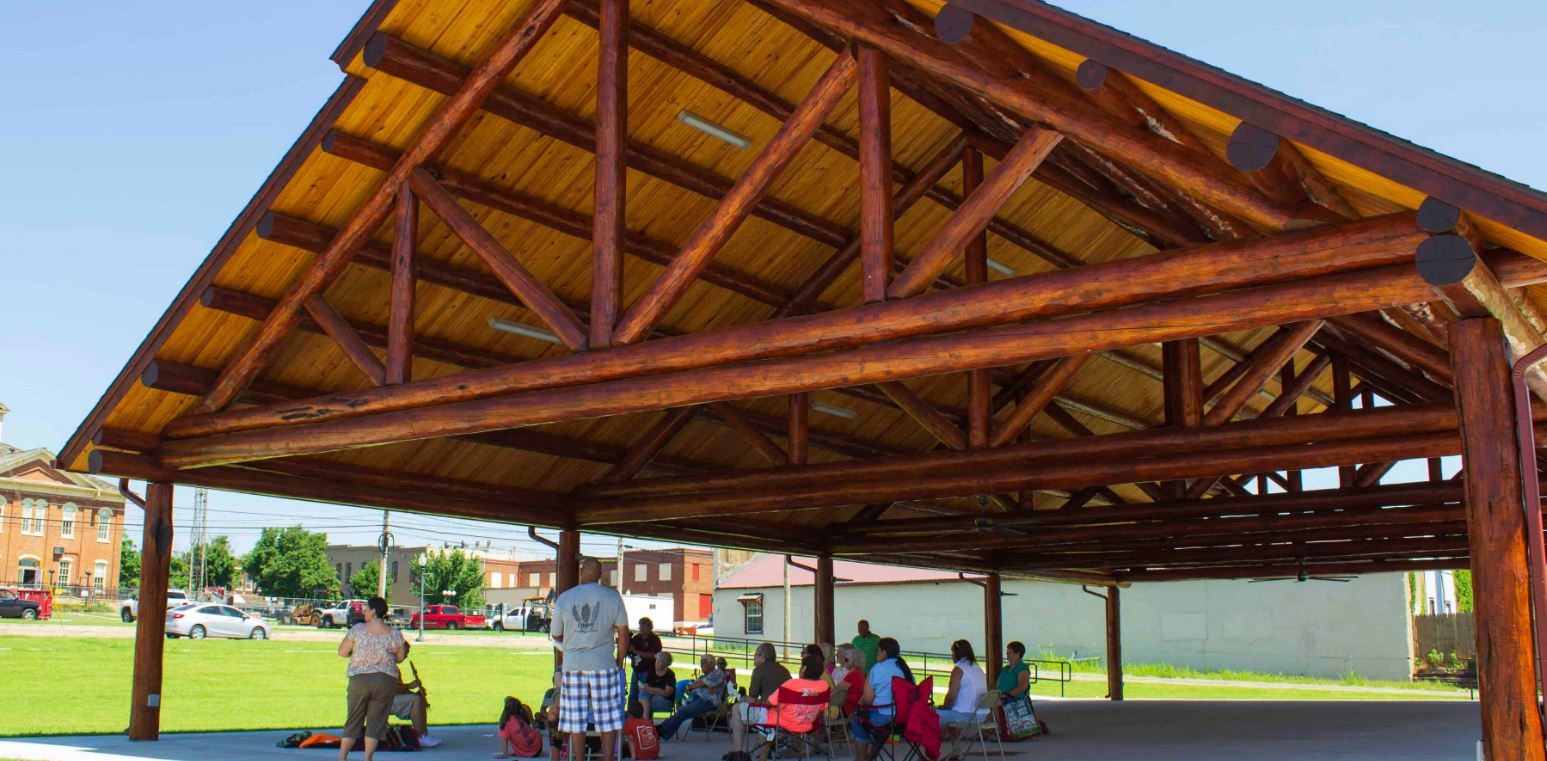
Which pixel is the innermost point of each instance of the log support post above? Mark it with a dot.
(1182, 376)
(150, 629)
(1343, 394)
(823, 603)
(799, 429)
(400, 322)
(979, 390)
(1114, 646)
(993, 626)
(875, 168)
(566, 572)
(1511, 721)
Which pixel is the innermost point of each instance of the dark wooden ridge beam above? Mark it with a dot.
(1202, 315)
(573, 223)
(1300, 254)
(467, 94)
(402, 60)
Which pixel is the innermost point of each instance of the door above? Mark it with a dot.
(238, 623)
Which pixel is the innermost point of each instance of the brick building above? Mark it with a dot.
(684, 574)
(56, 527)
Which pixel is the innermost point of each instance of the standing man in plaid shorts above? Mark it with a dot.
(591, 627)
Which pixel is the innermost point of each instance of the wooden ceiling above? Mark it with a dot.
(524, 169)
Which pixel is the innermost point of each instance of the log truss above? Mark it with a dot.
(1294, 330)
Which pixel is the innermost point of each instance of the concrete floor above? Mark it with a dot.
(1082, 731)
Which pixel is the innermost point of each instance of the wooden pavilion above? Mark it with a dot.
(982, 286)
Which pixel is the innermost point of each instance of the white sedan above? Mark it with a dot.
(200, 620)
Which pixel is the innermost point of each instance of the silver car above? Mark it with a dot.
(200, 620)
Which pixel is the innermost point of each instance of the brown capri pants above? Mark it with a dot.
(370, 700)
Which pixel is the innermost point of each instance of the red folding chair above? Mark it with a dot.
(795, 709)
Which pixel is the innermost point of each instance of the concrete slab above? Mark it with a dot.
(1083, 730)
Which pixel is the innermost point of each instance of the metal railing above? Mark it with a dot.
(737, 652)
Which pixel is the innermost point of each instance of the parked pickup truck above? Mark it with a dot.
(532, 616)
(447, 617)
(131, 607)
(342, 613)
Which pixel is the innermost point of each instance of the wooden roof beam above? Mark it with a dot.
(749, 432)
(874, 362)
(404, 61)
(1453, 561)
(344, 335)
(467, 94)
(651, 443)
(925, 414)
(738, 201)
(1366, 243)
(575, 224)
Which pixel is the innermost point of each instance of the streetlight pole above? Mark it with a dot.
(424, 571)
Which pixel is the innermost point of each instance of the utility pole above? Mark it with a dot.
(620, 565)
(200, 541)
(786, 606)
(386, 545)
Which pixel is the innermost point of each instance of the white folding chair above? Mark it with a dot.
(988, 707)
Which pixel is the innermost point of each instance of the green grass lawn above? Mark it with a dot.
(70, 685)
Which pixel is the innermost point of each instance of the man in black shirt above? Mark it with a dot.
(642, 648)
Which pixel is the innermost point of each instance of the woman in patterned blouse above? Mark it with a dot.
(374, 649)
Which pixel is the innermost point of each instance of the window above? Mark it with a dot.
(696, 569)
(495, 578)
(641, 572)
(66, 565)
(29, 574)
(752, 612)
(99, 577)
(104, 525)
(2, 516)
(666, 572)
(535, 580)
(33, 511)
(339, 567)
(394, 570)
(349, 570)
(67, 522)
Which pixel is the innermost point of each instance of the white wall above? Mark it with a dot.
(1315, 628)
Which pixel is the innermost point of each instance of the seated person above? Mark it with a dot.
(517, 736)
(704, 695)
(659, 687)
(877, 706)
(639, 738)
(959, 711)
(848, 681)
(558, 742)
(767, 675)
(411, 704)
(799, 719)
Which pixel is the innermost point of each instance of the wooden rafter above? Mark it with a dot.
(436, 134)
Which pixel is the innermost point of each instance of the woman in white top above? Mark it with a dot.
(374, 649)
(968, 684)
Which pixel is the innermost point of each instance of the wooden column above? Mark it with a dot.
(1511, 723)
(1182, 376)
(1114, 646)
(875, 173)
(799, 429)
(823, 604)
(1343, 394)
(993, 627)
(400, 321)
(566, 574)
(150, 629)
(979, 391)
(611, 134)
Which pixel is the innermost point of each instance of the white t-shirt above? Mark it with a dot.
(587, 617)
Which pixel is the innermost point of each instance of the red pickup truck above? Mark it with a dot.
(447, 617)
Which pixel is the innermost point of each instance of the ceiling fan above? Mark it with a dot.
(1303, 575)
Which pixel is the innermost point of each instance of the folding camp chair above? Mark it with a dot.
(719, 716)
(908, 698)
(838, 731)
(791, 705)
(879, 735)
(987, 722)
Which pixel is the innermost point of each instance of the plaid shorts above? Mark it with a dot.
(591, 696)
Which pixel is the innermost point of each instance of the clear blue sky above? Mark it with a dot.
(132, 134)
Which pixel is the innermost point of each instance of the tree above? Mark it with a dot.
(1463, 591)
(219, 563)
(128, 564)
(291, 562)
(363, 582)
(177, 572)
(454, 571)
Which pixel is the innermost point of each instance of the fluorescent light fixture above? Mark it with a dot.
(710, 128)
(828, 409)
(1001, 267)
(523, 330)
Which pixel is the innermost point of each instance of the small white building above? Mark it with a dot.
(1313, 628)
